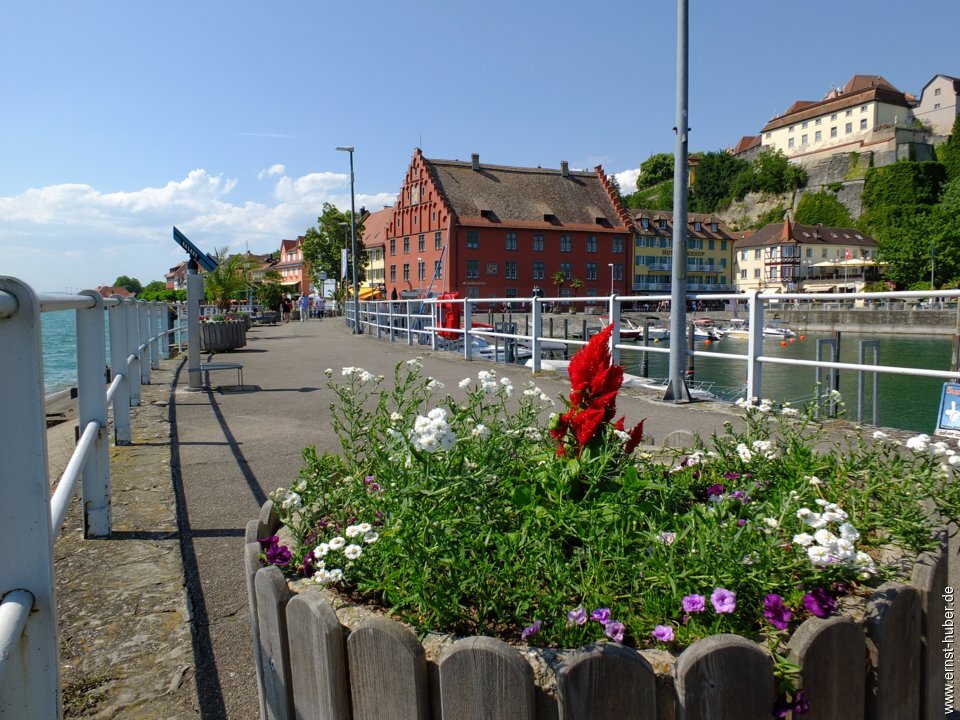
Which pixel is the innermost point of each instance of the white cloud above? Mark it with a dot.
(627, 180)
(277, 169)
(75, 236)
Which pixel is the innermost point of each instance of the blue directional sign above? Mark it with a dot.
(204, 260)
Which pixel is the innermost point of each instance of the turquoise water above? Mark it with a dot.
(909, 403)
(59, 350)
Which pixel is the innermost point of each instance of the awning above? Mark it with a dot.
(369, 293)
(291, 282)
(826, 263)
(818, 289)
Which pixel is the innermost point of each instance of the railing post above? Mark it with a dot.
(29, 686)
(379, 315)
(194, 295)
(467, 324)
(409, 326)
(434, 321)
(536, 332)
(153, 310)
(92, 407)
(118, 366)
(615, 333)
(390, 311)
(133, 335)
(143, 313)
(754, 343)
(164, 310)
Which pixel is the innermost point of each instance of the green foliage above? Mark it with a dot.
(834, 187)
(769, 173)
(770, 217)
(322, 244)
(269, 290)
(229, 280)
(713, 186)
(458, 514)
(949, 152)
(858, 166)
(156, 291)
(131, 284)
(903, 233)
(575, 285)
(903, 183)
(822, 208)
(655, 169)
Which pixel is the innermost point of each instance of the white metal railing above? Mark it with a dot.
(394, 318)
(139, 332)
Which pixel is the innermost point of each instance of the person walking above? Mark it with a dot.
(304, 306)
(286, 305)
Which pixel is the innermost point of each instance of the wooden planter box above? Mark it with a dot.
(316, 659)
(218, 337)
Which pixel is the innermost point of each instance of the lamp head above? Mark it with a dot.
(344, 148)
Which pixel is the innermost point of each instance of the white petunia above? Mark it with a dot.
(352, 552)
(803, 539)
(371, 537)
(337, 543)
(819, 555)
(352, 531)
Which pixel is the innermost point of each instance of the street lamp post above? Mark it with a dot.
(610, 265)
(353, 244)
(420, 274)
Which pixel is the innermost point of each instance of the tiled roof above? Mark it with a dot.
(746, 143)
(858, 90)
(786, 232)
(529, 197)
(375, 227)
(705, 219)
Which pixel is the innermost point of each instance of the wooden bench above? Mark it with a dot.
(208, 367)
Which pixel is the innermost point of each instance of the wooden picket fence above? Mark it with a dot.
(310, 666)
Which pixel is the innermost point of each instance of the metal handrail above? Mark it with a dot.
(60, 501)
(14, 612)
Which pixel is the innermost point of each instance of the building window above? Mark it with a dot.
(863, 124)
(723, 246)
(743, 274)
(936, 91)
(617, 271)
(421, 244)
(591, 271)
(663, 223)
(756, 254)
(645, 223)
(743, 254)
(591, 244)
(823, 252)
(421, 270)
(790, 143)
(565, 245)
(863, 108)
(809, 252)
(511, 241)
(848, 113)
(791, 129)
(406, 271)
(697, 226)
(833, 132)
(710, 245)
(756, 273)
(436, 269)
(538, 270)
(817, 136)
(713, 227)
(805, 123)
(393, 246)
(936, 106)
(473, 239)
(437, 240)
(510, 292)
(618, 245)
(393, 273)
(473, 268)
(493, 268)
(473, 292)
(510, 270)
(803, 140)
(406, 245)
(538, 243)
(567, 271)
(819, 120)
(768, 136)
(848, 128)
(833, 116)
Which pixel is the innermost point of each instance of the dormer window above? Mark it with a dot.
(663, 224)
(645, 223)
(713, 227)
(697, 226)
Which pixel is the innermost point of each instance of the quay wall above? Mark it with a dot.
(869, 320)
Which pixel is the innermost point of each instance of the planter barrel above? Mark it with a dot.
(317, 660)
(222, 336)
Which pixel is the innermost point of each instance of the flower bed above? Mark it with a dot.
(466, 518)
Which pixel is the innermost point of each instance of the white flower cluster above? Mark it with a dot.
(350, 551)
(753, 403)
(432, 433)
(762, 448)
(531, 390)
(359, 373)
(922, 443)
(826, 547)
(287, 499)
(488, 381)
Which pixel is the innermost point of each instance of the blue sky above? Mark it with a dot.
(121, 119)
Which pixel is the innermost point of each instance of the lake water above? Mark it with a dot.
(909, 403)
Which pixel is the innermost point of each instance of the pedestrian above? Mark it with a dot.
(286, 305)
(321, 307)
(304, 307)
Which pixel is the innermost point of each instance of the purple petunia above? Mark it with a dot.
(577, 617)
(801, 706)
(663, 633)
(601, 615)
(731, 475)
(715, 490)
(693, 603)
(723, 601)
(614, 630)
(268, 542)
(278, 555)
(531, 630)
(819, 602)
(776, 612)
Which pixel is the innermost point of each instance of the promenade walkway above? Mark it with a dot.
(210, 468)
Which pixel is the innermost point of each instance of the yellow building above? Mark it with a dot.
(709, 252)
(788, 257)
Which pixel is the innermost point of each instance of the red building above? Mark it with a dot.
(497, 231)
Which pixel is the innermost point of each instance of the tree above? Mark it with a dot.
(576, 284)
(949, 152)
(904, 234)
(823, 208)
(229, 280)
(771, 172)
(558, 279)
(322, 245)
(131, 284)
(655, 169)
(269, 290)
(156, 291)
(713, 185)
(615, 186)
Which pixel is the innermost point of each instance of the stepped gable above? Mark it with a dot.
(524, 197)
(791, 232)
(858, 90)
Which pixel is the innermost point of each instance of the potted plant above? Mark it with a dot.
(466, 516)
